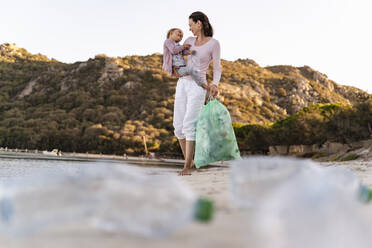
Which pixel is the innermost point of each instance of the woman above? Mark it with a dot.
(189, 99)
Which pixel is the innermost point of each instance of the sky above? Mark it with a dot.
(331, 36)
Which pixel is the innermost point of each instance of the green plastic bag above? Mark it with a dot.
(215, 137)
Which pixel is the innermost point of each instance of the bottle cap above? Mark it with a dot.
(365, 194)
(204, 210)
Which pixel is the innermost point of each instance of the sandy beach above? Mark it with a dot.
(227, 229)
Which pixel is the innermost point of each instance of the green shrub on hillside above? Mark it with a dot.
(313, 125)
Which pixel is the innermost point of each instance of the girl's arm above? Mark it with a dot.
(171, 46)
(187, 46)
(216, 52)
(186, 52)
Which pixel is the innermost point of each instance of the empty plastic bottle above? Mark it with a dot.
(114, 198)
(32, 203)
(318, 207)
(297, 203)
(252, 178)
(346, 181)
(150, 206)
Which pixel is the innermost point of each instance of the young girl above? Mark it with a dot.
(173, 57)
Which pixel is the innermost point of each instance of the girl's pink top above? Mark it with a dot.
(204, 55)
(170, 48)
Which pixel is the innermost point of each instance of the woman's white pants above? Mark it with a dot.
(188, 104)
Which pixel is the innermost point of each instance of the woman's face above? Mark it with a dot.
(195, 27)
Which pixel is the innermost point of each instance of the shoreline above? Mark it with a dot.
(358, 151)
(330, 152)
(92, 155)
(129, 159)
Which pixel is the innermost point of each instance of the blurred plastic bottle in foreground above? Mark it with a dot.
(32, 203)
(255, 177)
(148, 205)
(320, 208)
(347, 182)
(113, 198)
(297, 203)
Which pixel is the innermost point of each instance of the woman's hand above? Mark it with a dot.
(175, 73)
(213, 90)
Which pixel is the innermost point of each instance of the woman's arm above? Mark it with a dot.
(216, 53)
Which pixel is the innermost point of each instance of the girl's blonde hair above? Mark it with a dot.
(171, 31)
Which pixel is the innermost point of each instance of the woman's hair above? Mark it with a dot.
(200, 16)
(171, 31)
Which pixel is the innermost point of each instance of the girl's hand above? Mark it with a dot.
(187, 46)
(213, 90)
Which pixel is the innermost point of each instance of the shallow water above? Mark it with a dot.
(14, 165)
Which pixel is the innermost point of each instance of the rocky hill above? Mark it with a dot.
(108, 104)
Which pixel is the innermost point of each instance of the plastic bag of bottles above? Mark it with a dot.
(215, 137)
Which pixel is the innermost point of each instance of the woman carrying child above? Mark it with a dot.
(190, 95)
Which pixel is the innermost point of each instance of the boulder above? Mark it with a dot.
(334, 147)
(28, 89)
(131, 85)
(300, 150)
(278, 150)
(319, 77)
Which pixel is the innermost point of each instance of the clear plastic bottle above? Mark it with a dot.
(297, 203)
(253, 177)
(319, 207)
(346, 181)
(32, 203)
(114, 198)
(147, 205)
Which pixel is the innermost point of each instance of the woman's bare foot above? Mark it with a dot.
(185, 172)
(193, 166)
(189, 152)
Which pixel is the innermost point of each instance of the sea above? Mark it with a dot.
(19, 164)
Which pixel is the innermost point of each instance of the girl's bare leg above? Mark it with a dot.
(189, 152)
